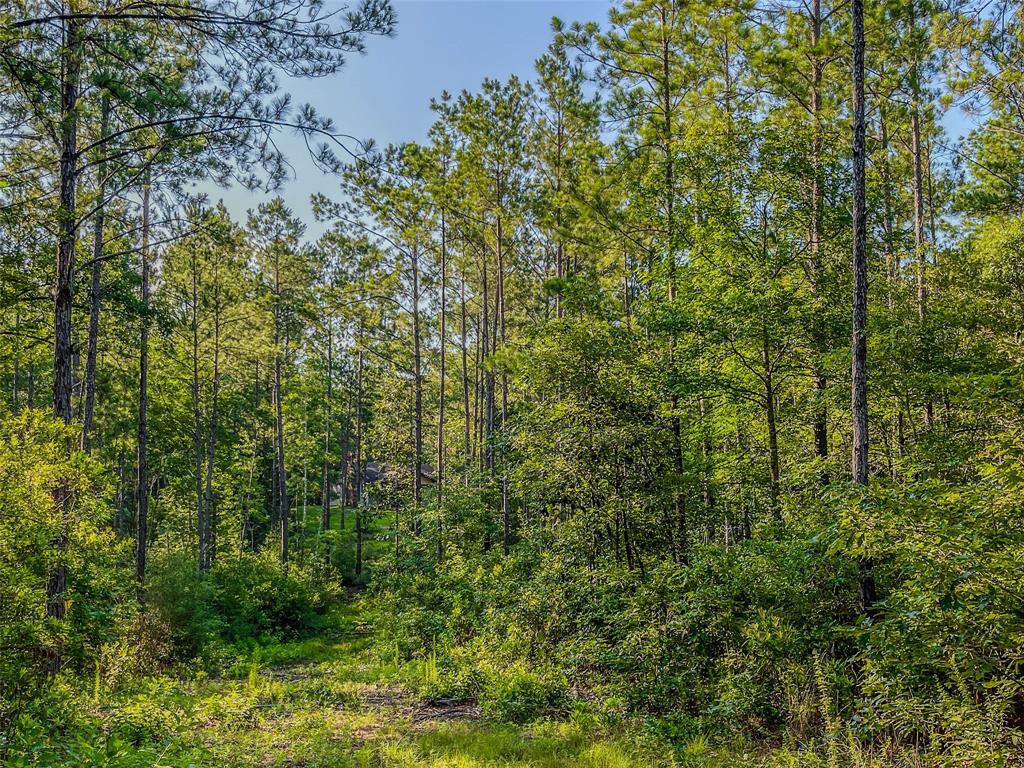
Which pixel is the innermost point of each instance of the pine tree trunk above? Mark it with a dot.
(467, 416)
(506, 517)
(670, 256)
(197, 429)
(707, 451)
(359, 462)
(859, 395)
(282, 474)
(888, 226)
(119, 496)
(56, 582)
(325, 516)
(66, 223)
(773, 436)
(142, 486)
(211, 445)
(441, 394)
(417, 483)
(819, 381)
(95, 285)
(920, 246)
(15, 394)
(487, 397)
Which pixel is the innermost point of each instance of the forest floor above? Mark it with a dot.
(326, 702)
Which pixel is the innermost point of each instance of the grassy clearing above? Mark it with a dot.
(324, 702)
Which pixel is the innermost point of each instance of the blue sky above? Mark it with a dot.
(385, 95)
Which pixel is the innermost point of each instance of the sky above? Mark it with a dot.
(385, 94)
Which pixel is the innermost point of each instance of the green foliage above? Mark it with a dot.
(242, 599)
(520, 694)
(33, 465)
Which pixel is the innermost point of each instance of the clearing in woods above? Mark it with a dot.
(327, 703)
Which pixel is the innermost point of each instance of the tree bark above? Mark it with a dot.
(142, 485)
(920, 245)
(506, 517)
(467, 416)
(417, 482)
(859, 394)
(56, 582)
(95, 286)
(282, 474)
(665, 87)
(773, 436)
(819, 381)
(441, 395)
(66, 222)
(359, 462)
(197, 430)
(211, 446)
(325, 515)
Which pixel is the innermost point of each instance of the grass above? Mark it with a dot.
(545, 745)
(321, 702)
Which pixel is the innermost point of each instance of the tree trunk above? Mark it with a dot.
(819, 381)
(487, 397)
(119, 496)
(211, 445)
(197, 429)
(359, 463)
(417, 482)
(670, 255)
(95, 286)
(282, 474)
(15, 394)
(707, 451)
(325, 514)
(773, 436)
(142, 486)
(467, 449)
(892, 266)
(56, 582)
(506, 517)
(66, 222)
(440, 400)
(859, 394)
(920, 246)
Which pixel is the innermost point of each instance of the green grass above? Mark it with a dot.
(322, 702)
(545, 745)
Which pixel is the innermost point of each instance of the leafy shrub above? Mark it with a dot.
(143, 720)
(455, 681)
(252, 596)
(33, 463)
(518, 694)
(183, 602)
(245, 597)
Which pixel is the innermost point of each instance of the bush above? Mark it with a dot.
(34, 462)
(519, 695)
(143, 720)
(184, 604)
(252, 597)
(246, 596)
(457, 679)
